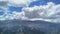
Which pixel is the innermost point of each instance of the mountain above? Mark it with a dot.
(28, 27)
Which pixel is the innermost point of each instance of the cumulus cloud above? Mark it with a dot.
(45, 11)
(49, 12)
(20, 3)
(16, 3)
(4, 4)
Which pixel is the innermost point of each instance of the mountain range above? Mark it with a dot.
(29, 27)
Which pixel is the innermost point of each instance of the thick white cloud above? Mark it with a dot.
(49, 12)
(19, 3)
(16, 3)
(45, 11)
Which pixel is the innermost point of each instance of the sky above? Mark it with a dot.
(37, 3)
(46, 10)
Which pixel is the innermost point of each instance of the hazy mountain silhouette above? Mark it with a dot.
(28, 27)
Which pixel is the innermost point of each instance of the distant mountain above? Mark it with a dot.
(28, 27)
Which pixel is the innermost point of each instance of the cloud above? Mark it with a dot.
(4, 6)
(3, 9)
(45, 11)
(3, 3)
(49, 12)
(20, 3)
(16, 3)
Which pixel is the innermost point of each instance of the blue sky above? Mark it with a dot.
(47, 10)
(37, 3)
